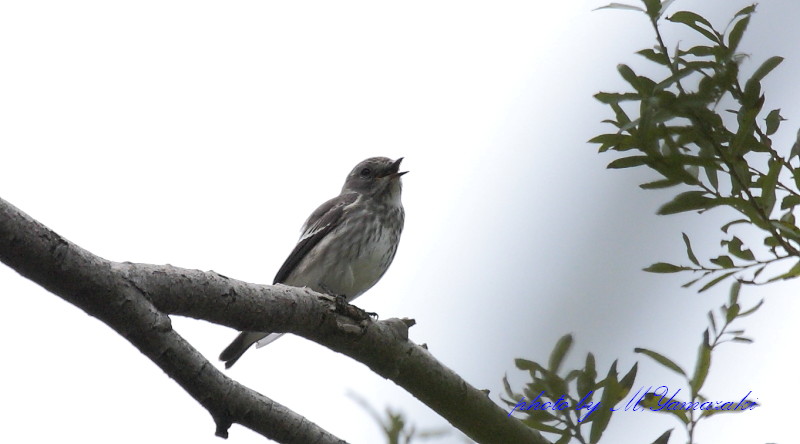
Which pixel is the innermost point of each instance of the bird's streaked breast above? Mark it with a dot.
(354, 256)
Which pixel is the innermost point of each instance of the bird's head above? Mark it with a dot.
(375, 177)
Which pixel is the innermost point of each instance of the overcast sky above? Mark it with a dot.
(202, 134)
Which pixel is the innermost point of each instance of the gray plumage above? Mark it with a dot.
(346, 245)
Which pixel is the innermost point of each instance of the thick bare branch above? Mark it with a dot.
(96, 286)
(135, 299)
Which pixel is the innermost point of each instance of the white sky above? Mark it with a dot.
(202, 134)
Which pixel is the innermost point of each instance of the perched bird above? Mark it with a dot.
(346, 245)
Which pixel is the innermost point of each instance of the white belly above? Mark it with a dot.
(348, 271)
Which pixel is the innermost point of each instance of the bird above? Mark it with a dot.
(346, 245)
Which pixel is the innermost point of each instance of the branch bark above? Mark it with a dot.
(136, 300)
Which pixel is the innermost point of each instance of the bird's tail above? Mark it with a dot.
(269, 339)
(236, 349)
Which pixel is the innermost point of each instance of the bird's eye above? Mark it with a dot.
(366, 172)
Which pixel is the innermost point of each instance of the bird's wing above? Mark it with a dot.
(319, 224)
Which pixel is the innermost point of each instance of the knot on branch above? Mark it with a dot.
(223, 423)
(399, 327)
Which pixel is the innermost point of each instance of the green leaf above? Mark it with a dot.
(628, 162)
(663, 267)
(559, 351)
(788, 218)
(702, 365)
(735, 248)
(712, 321)
(692, 282)
(702, 51)
(731, 313)
(614, 141)
(573, 374)
(609, 98)
(715, 281)
(746, 11)
(750, 103)
(773, 120)
(751, 310)
(735, 36)
(688, 201)
(768, 186)
(555, 384)
(664, 438)
(796, 152)
(771, 242)
(711, 174)
(608, 138)
(696, 22)
(664, 183)
(723, 261)
(658, 184)
(689, 251)
(603, 416)
(524, 364)
(539, 416)
(661, 359)
(651, 400)
(620, 6)
(745, 207)
(653, 8)
(695, 160)
(623, 119)
(630, 77)
(790, 201)
(792, 273)
(765, 68)
(786, 230)
(533, 388)
(742, 339)
(626, 383)
(587, 378)
(507, 387)
(674, 78)
(729, 224)
(654, 55)
(733, 296)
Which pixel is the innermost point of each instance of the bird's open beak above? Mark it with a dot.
(394, 170)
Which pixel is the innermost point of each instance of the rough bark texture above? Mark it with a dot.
(136, 300)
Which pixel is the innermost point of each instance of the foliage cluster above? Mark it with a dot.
(702, 127)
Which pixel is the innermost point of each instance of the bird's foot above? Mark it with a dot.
(341, 306)
(340, 303)
(351, 311)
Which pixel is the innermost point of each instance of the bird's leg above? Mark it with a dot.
(340, 303)
(353, 312)
(345, 308)
(356, 313)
